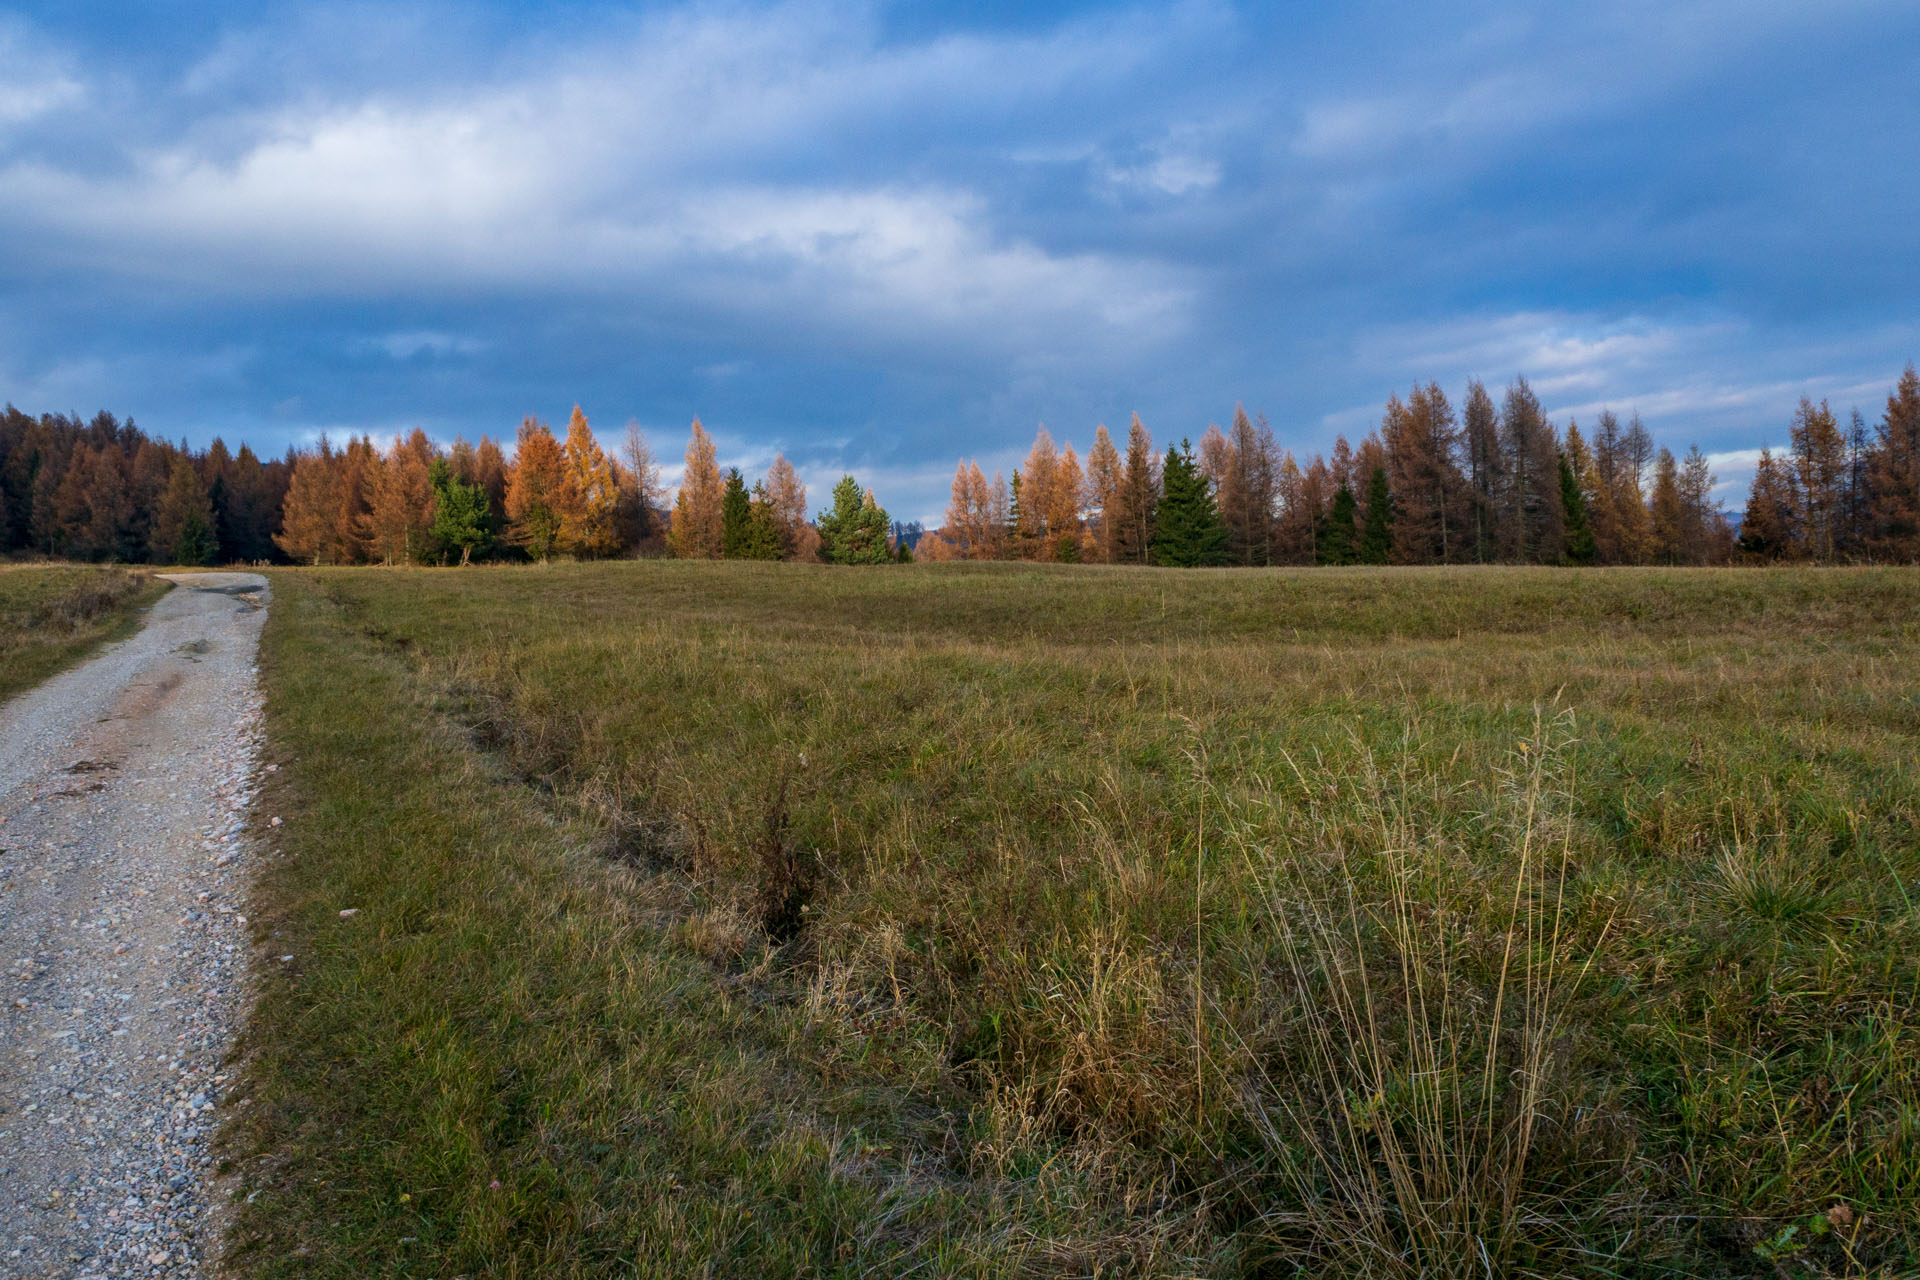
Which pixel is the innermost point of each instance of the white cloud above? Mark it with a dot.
(639, 169)
(406, 346)
(35, 80)
(1171, 173)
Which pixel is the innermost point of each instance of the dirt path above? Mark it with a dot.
(123, 789)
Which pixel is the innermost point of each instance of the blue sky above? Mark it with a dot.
(882, 237)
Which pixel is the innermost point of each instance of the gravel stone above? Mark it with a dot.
(124, 793)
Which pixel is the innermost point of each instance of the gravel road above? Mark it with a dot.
(124, 786)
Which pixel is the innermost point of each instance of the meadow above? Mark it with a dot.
(52, 615)
(726, 919)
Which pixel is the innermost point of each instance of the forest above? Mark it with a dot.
(1489, 483)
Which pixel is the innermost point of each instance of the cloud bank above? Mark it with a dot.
(881, 237)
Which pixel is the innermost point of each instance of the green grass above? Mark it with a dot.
(985, 920)
(51, 616)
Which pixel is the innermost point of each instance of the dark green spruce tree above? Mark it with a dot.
(460, 512)
(1334, 540)
(1189, 533)
(1376, 538)
(1580, 548)
(855, 531)
(736, 515)
(762, 540)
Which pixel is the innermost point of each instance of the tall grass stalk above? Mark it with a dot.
(1408, 1116)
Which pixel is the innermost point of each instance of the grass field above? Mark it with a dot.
(741, 920)
(51, 616)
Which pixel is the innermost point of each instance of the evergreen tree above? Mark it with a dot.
(763, 539)
(855, 530)
(1335, 541)
(1579, 530)
(736, 514)
(1188, 531)
(459, 512)
(1376, 538)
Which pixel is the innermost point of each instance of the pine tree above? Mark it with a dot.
(856, 529)
(1187, 530)
(459, 512)
(1035, 499)
(1699, 521)
(960, 531)
(1621, 532)
(111, 534)
(1856, 505)
(975, 527)
(1535, 529)
(1579, 547)
(1135, 502)
(399, 517)
(1104, 473)
(1376, 536)
(764, 539)
(590, 520)
(1336, 539)
(183, 519)
(639, 487)
(788, 497)
(697, 518)
(537, 497)
(347, 530)
(1016, 538)
(1766, 530)
(1431, 498)
(311, 507)
(736, 513)
(1065, 528)
(1894, 476)
(1666, 512)
(1299, 495)
(490, 473)
(1486, 477)
(1819, 472)
(999, 518)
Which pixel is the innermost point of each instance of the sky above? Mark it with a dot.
(883, 237)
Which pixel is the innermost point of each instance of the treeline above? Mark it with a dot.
(1851, 495)
(105, 490)
(414, 505)
(1490, 484)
